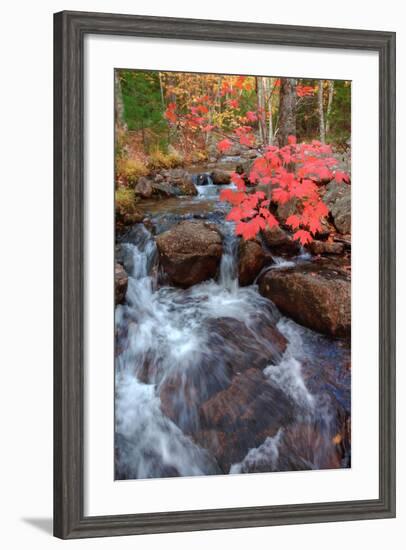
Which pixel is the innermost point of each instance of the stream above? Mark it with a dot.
(213, 379)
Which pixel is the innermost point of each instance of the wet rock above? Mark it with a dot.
(251, 261)
(238, 347)
(203, 179)
(164, 190)
(221, 177)
(144, 189)
(326, 247)
(250, 154)
(124, 256)
(316, 295)
(280, 242)
(183, 391)
(190, 252)
(120, 283)
(241, 416)
(338, 199)
(299, 447)
(127, 217)
(182, 180)
(232, 348)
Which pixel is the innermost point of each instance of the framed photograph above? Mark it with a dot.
(224, 275)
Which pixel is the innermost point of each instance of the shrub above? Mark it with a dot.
(199, 156)
(158, 160)
(125, 198)
(130, 170)
(126, 212)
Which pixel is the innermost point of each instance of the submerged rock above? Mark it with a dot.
(239, 347)
(190, 252)
(315, 295)
(120, 283)
(251, 261)
(241, 417)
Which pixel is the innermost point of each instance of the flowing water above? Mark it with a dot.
(212, 379)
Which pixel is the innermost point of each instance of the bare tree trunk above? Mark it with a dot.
(260, 103)
(321, 112)
(268, 91)
(161, 88)
(119, 104)
(329, 104)
(287, 110)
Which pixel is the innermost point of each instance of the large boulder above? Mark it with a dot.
(251, 261)
(164, 190)
(316, 295)
(120, 283)
(190, 252)
(280, 242)
(338, 199)
(156, 188)
(221, 177)
(144, 189)
(181, 180)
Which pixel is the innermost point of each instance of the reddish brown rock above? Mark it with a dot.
(316, 295)
(221, 177)
(190, 252)
(280, 242)
(251, 261)
(241, 416)
(239, 347)
(326, 247)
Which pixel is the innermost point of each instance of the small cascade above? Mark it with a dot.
(212, 379)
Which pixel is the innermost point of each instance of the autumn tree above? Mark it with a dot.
(290, 171)
(287, 110)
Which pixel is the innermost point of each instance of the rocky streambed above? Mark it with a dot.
(231, 356)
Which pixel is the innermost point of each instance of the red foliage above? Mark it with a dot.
(170, 112)
(224, 145)
(303, 91)
(289, 172)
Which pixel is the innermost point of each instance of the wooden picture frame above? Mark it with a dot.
(70, 30)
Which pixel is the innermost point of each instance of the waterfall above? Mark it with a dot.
(177, 350)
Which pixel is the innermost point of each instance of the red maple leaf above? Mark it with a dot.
(248, 230)
(224, 145)
(233, 197)
(293, 221)
(303, 236)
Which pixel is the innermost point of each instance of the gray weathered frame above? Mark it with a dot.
(69, 31)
